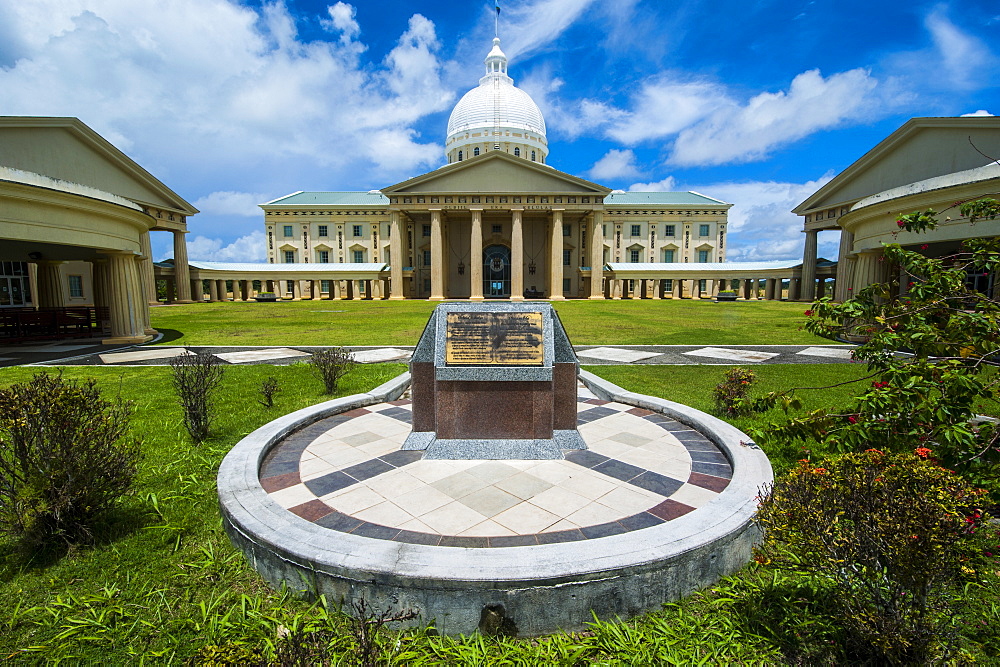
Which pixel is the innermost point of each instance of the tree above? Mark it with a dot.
(932, 349)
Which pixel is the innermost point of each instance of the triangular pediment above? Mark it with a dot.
(499, 173)
(921, 148)
(68, 150)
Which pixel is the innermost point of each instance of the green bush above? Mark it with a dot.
(64, 458)
(196, 378)
(891, 533)
(330, 365)
(729, 393)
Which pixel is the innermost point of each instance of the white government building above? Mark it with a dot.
(496, 221)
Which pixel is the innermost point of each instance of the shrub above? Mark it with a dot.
(890, 532)
(268, 388)
(64, 458)
(330, 365)
(729, 393)
(196, 377)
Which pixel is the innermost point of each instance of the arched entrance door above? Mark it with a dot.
(496, 272)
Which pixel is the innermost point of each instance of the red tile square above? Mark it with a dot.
(312, 510)
(640, 412)
(710, 482)
(670, 509)
(279, 482)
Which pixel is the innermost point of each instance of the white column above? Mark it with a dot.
(146, 267)
(437, 257)
(556, 257)
(51, 293)
(809, 266)
(395, 257)
(125, 297)
(182, 272)
(597, 256)
(476, 256)
(517, 255)
(845, 266)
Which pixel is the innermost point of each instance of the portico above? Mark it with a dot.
(494, 226)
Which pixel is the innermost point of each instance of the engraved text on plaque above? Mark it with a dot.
(484, 338)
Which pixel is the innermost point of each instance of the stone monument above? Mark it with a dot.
(494, 381)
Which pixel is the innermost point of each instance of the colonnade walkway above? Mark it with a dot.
(84, 353)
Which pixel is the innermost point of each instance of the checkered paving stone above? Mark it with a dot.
(347, 473)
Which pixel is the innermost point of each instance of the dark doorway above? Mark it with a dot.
(496, 272)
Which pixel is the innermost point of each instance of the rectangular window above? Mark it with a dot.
(633, 255)
(289, 257)
(427, 230)
(635, 230)
(76, 287)
(669, 230)
(703, 256)
(356, 231)
(325, 286)
(567, 285)
(324, 257)
(702, 230)
(567, 230)
(359, 256)
(668, 256)
(498, 229)
(427, 257)
(323, 230)
(668, 285)
(290, 286)
(567, 257)
(287, 231)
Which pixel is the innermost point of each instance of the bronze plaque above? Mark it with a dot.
(479, 338)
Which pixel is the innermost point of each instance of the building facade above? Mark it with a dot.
(926, 163)
(496, 221)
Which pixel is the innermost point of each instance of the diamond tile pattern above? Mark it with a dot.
(347, 473)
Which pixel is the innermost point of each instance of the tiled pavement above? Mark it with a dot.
(347, 473)
(157, 355)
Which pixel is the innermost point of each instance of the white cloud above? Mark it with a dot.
(743, 133)
(232, 203)
(964, 57)
(533, 25)
(664, 107)
(614, 165)
(342, 21)
(249, 248)
(198, 89)
(761, 224)
(981, 112)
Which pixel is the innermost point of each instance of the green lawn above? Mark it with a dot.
(647, 322)
(163, 580)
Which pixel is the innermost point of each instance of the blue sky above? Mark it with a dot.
(232, 104)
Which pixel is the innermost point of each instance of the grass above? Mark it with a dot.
(163, 582)
(647, 322)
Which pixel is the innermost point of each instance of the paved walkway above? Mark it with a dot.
(91, 353)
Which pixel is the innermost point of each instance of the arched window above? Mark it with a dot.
(517, 152)
(475, 151)
(532, 156)
(459, 156)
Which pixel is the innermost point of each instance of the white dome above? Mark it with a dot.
(489, 105)
(496, 115)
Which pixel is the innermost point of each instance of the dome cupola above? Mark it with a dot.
(496, 116)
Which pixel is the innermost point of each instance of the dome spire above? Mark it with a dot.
(496, 60)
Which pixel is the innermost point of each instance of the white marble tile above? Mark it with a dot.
(292, 496)
(429, 472)
(381, 354)
(732, 355)
(452, 519)
(695, 496)
(394, 483)
(144, 355)
(422, 500)
(595, 513)
(562, 524)
(526, 519)
(561, 502)
(246, 356)
(524, 484)
(616, 354)
(314, 467)
(386, 514)
(629, 501)
(353, 499)
(589, 485)
(831, 352)
(487, 528)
